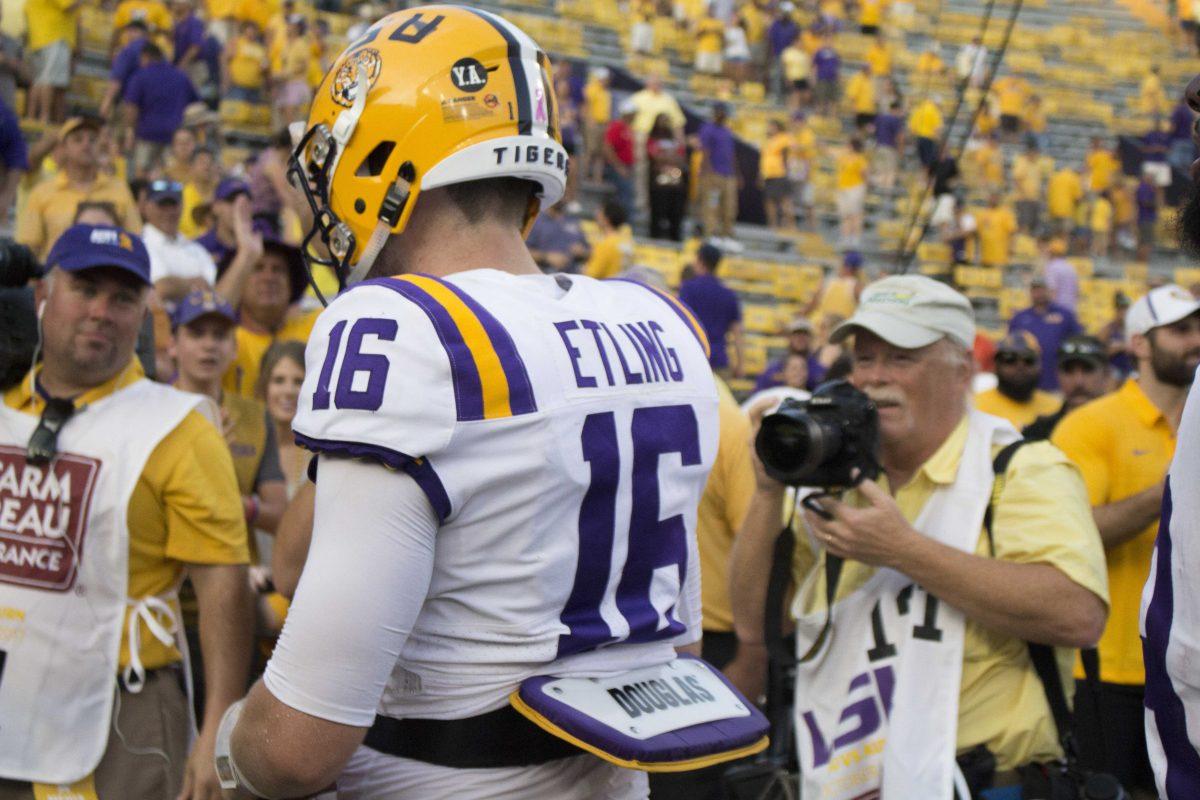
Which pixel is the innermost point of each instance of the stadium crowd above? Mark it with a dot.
(232, 305)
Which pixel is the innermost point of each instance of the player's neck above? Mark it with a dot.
(445, 252)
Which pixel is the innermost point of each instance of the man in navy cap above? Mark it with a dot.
(177, 264)
(152, 495)
(1083, 375)
(232, 221)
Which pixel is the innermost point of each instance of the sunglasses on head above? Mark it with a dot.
(43, 443)
(1028, 359)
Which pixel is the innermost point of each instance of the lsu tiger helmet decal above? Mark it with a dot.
(427, 97)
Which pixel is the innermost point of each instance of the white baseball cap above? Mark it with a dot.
(911, 311)
(1159, 307)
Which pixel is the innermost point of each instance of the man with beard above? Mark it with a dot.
(1016, 397)
(1082, 377)
(1124, 443)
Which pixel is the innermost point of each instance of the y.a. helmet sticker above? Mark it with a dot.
(468, 75)
(345, 83)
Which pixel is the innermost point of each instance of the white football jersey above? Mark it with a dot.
(563, 429)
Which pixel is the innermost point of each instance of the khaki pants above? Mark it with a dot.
(154, 719)
(719, 199)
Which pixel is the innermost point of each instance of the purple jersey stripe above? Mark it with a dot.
(468, 393)
(1170, 717)
(419, 469)
(520, 390)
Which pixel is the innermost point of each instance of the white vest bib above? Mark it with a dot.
(877, 706)
(64, 553)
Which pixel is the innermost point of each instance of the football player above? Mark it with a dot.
(503, 565)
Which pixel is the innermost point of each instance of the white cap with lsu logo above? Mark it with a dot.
(911, 311)
(1161, 306)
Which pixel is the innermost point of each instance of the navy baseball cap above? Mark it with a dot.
(89, 246)
(229, 188)
(201, 303)
(852, 259)
(164, 190)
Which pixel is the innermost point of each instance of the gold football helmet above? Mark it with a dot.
(427, 97)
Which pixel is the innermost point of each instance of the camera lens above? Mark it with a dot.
(791, 446)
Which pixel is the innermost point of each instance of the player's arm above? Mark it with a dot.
(292, 537)
(302, 722)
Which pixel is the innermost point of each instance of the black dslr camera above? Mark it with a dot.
(822, 441)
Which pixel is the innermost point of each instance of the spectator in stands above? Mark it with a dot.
(838, 295)
(720, 177)
(667, 169)
(737, 52)
(987, 162)
(246, 66)
(1155, 147)
(177, 264)
(266, 176)
(860, 94)
(278, 388)
(799, 343)
(177, 163)
(204, 345)
(1100, 221)
(996, 225)
(126, 61)
(1012, 96)
(151, 12)
(717, 308)
(556, 241)
(1063, 193)
(929, 63)
(641, 33)
(1102, 165)
(1113, 336)
(781, 34)
(1082, 377)
(1146, 198)
(619, 154)
(198, 189)
(597, 113)
(614, 249)
(851, 183)
(800, 157)
(1029, 173)
(230, 204)
(1035, 123)
(154, 100)
(879, 59)
(1061, 278)
(13, 70)
(971, 62)
(14, 162)
(49, 208)
(710, 43)
(961, 232)
(925, 124)
(1050, 323)
(1152, 98)
(889, 144)
(293, 93)
(827, 65)
(266, 295)
(50, 38)
(1183, 149)
(1016, 398)
(188, 36)
(1123, 444)
(773, 176)
(651, 101)
(796, 64)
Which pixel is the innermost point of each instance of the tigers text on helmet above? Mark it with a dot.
(428, 97)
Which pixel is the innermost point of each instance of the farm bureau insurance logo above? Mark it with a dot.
(43, 516)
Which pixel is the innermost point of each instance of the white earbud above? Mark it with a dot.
(41, 309)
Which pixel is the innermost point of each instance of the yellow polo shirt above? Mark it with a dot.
(1101, 217)
(773, 161)
(925, 120)
(598, 102)
(50, 209)
(1102, 165)
(49, 21)
(928, 63)
(879, 59)
(242, 376)
(722, 509)
(1041, 517)
(185, 508)
(246, 64)
(608, 254)
(710, 36)
(1064, 191)
(851, 170)
(860, 92)
(1019, 414)
(837, 299)
(1123, 445)
(996, 227)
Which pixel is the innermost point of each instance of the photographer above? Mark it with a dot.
(927, 656)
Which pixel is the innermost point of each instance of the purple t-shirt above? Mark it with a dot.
(717, 141)
(188, 33)
(215, 247)
(717, 308)
(782, 33)
(887, 129)
(1063, 283)
(13, 152)
(555, 235)
(126, 62)
(1147, 203)
(1181, 122)
(1051, 329)
(1154, 146)
(160, 91)
(826, 64)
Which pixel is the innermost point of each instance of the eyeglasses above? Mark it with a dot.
(43, 444)
(1009, 359)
